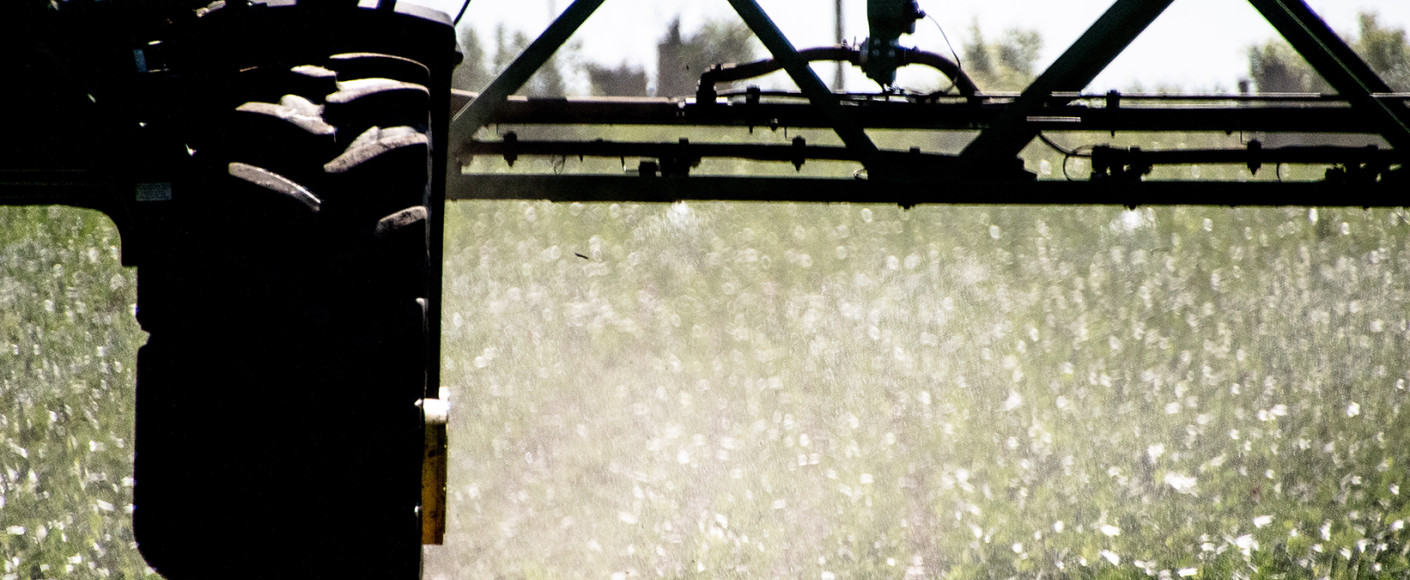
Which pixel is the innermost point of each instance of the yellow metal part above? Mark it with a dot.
(433, 469)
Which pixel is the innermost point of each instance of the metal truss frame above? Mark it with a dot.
(988, 169)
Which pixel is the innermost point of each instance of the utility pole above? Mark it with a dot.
(837, 78)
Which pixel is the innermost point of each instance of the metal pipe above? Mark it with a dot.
(1072, 71)
(1339, 65)
(797, 152)
(601, 188)
(808, 82)
(837, 80)
(1293, 154)
(934, 163)
(1317, 115)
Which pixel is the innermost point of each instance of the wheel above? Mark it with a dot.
(277, 431)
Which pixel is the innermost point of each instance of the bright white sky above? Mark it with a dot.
(1198, 45)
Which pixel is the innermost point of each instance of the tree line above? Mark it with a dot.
(680, 60)
(1007, 63)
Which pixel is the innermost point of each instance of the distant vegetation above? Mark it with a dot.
(1005, 64)
(1276, 68)
(680, 60)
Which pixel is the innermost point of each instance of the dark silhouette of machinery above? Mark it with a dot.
(278, 172)
(273, 170)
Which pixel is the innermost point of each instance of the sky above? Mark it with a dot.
(1196, 45)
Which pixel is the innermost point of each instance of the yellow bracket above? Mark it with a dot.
(433, 468)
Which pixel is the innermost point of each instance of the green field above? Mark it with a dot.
(809, 391)
(68, 345)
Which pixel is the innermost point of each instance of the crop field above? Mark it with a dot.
(823, 391)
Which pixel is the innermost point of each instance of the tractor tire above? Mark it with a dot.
(277, 431)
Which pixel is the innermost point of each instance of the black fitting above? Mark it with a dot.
(510, 155)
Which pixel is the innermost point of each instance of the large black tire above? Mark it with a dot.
(277, 432)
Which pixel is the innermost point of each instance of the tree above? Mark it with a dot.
(1274, 67)
(976, 54)
(623, 81)
(680, 60)
(1018, 51)
(1386, 51)
(1007, 65)
(471, 74)
(547, 82)
(1277, 68)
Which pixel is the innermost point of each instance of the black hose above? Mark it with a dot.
(946, 67)
(737, 72)
(461, 14)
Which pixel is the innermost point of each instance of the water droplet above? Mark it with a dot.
(1013, 401)
(1180, 482)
